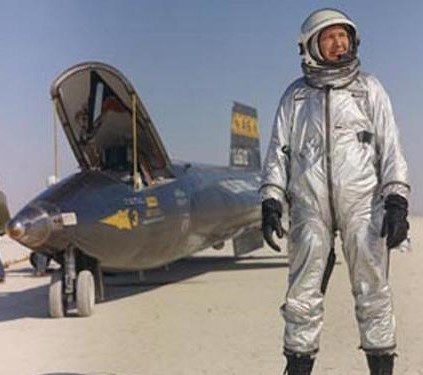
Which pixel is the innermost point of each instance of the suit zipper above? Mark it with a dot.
(329, 158)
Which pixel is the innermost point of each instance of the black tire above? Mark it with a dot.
(33, 260)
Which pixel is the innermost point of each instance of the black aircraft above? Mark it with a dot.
(130, 207)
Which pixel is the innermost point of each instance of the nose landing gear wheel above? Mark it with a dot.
(85, 293)
(56, 304)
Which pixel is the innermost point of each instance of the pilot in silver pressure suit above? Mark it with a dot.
(335, 160)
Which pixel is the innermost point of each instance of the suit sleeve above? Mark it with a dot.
(392, 163)
(275, 172)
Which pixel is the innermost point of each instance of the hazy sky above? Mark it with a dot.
(188, 60)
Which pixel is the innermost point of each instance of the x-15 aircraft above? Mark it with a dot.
(130, 207)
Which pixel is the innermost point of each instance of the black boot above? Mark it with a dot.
(381, 364)
(299, 364)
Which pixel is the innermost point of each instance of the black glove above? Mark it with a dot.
(395, 223)
(271, 211)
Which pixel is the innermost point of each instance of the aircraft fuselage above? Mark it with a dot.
(100, 214)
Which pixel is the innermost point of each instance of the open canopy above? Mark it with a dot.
(95, 104)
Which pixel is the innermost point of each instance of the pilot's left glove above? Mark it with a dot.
(395, 224)
(271, 211)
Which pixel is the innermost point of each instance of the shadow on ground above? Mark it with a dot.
(85, 373)
(89, 373)
(33, 302)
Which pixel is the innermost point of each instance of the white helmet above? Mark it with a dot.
(310, 30)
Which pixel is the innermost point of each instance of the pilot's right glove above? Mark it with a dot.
(271, 211)
(395, 224)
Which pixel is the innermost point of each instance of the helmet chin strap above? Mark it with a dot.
(347, 56)
(342, 60)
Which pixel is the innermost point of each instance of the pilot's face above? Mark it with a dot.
(334, 42)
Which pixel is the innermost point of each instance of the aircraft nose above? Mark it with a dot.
(31, 227)
(15, 229)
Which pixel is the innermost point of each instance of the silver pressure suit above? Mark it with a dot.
(334, 155)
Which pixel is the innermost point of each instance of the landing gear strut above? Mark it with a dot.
(78, 283)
